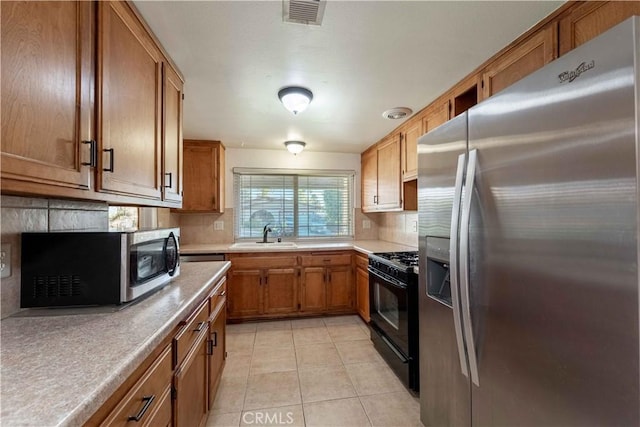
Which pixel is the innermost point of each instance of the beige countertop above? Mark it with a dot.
(363, 246)
(57, 370)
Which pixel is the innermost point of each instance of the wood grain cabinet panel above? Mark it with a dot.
(130, 104)
(217, 348)
(172, 135)
(590, 19)
(409, 146)
(204, 178)
(436, 115)
(245, 293)
(382, 176)
(362, 287)
(522, 60)
(340, 289)
(280, 291)
(47, 94)
(313, 297)
(191, 386)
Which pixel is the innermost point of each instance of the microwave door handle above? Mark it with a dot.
(453, 264)
(464, 265)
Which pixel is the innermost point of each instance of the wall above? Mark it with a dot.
(22, 214)
(394, 227)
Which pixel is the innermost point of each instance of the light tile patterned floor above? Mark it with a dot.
(309, 372)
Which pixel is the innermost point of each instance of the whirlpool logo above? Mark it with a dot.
(569, 76)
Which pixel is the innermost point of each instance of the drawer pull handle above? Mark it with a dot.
(215, 339)
(223, 293)
(111, 159)
(200, 327)
(147, 402)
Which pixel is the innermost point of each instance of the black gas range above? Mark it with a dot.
(393, 298)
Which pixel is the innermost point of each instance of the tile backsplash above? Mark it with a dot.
(24, 214)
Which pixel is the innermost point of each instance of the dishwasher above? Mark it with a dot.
(202, 257)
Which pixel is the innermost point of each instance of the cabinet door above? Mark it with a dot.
(244, 293)
(436, 116)
(410, 150)
(172, 135)
(280, 291)
(592, 18)
(217, 352)
(389, 177)
(340, 289)
(314, 292)
(522, 60)
(203, 185)
(369, 171)
(191, 386)
(129, 104)
(47, 87)
(362, 293)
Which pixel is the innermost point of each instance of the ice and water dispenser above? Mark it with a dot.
(438, 283)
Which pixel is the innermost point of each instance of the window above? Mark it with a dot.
(296, 205)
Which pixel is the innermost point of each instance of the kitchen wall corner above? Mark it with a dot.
(25, 214)
(370, 221)
(399, 227)
(201, 228)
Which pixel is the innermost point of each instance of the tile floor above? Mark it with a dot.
(309, 372)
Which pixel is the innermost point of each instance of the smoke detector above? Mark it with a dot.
(308, 12)
(397, 113)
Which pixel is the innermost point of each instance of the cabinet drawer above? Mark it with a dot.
(147, 399)
(187, 335)
(263, 262)
(218, 295)
(323, 260)
(362, 261)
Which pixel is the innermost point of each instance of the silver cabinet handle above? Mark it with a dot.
(200, 326)
(464, 265)
(453, 264)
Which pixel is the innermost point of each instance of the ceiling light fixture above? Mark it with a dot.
(397, 113)
(295, 147)
(295, 99)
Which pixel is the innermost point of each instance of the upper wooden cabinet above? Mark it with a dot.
(172, 134)
(382, 191)
(436, 115)
(588, 19)
(409, 148)
(52, 73)
(522, 60)
(47, 94)
(129, 104)
(204, 178)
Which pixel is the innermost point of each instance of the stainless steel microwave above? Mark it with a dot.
(96, 268)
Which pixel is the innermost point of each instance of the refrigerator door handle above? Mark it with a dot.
(453, 263)
(464, 265)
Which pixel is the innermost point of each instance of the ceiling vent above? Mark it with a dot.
(308, 12)
(397, 113)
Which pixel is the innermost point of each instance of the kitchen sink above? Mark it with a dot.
(261, 245)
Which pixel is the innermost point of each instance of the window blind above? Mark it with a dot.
(294, 205)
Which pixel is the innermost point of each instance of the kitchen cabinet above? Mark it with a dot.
(47, 96)
(262, 286)
(204, 178)
(129, 104)
(520, 61)
(86, 112)
(362, 286)
(173, 95)
(382, 190)
(191, 357)
(149, 400)
(437, 114)
(409, 149)
(588, 19)
(327, 282)
(217, 345)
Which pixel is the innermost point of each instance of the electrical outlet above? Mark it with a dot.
(415, 226)
(5, 260)
(218, 225)
(366, 223)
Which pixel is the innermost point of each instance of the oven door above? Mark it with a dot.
(389, 310)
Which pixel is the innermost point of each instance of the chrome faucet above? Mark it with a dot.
(265, 232)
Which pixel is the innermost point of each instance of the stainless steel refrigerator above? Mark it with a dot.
(528, 222)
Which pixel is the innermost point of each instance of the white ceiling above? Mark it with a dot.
(366, 57)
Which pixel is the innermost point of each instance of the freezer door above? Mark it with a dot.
(553, 243)
(444, 388)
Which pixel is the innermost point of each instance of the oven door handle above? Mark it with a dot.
(393, 349)
(388, 280)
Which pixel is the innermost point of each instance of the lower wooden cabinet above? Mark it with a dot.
(296, 284)
(177, 383)
(362, 287)
(148, 402)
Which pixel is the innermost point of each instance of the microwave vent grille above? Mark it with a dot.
(57, 286)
